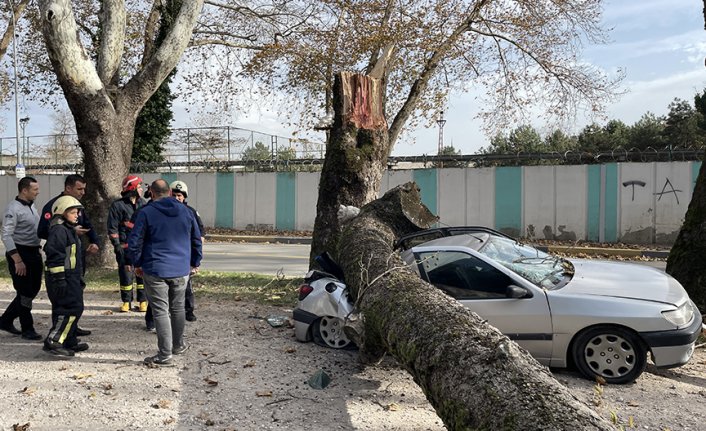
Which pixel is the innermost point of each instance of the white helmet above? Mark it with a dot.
(65, 203)
(179, 186)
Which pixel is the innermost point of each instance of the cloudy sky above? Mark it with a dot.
(661, 46)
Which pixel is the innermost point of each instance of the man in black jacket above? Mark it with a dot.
(74, 186)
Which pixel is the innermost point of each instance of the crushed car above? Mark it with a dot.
(602, 317)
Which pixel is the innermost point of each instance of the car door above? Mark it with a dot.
(483, 288)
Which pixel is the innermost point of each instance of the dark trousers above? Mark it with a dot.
(126, 279)
(26, 286)
(66, 310)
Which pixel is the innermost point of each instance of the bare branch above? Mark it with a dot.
(203, 42)
(151, 29)
(112, 44)
(7, 37)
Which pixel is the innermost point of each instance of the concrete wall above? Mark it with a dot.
(629, 202)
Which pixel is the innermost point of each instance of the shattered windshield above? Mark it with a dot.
(542, 269)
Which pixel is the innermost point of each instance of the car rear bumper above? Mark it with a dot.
(674, 348)
(302, 322)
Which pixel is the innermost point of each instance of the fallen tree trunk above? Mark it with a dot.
(475, 377)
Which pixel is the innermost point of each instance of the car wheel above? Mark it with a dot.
(328, 332)
(613, 353)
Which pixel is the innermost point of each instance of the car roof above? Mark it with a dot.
(471, 240)
(422, 237)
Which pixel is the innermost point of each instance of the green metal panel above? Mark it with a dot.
(286, 201)
(225, 197)
(427, 180)
(508, 200)
(593, 206)
(695, 167)
(611, 202)
(169, 177)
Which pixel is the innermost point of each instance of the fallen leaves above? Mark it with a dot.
(107, 313)
(18, 427)
(249, 364)
(28, 390)
(82, 376)
(633, 404)
(392, 407)
(162, 404)
(210, 381)
(263, 393)
(290, 350)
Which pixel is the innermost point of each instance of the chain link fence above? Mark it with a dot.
(227, 148)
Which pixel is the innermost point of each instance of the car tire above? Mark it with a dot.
(327, 331)
(613, 353)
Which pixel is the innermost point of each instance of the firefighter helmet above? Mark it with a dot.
(65, 203)
(179, 187)
(131, 182)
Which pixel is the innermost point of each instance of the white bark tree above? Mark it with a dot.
(105, 107)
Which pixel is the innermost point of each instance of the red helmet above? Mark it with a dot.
(131, 182)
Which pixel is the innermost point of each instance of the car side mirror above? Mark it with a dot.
(517, 292)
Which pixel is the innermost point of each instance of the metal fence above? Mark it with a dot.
(234, 149)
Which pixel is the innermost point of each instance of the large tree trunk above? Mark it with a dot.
(686, 259)
(356, 154)
(104, 112)
(475, 377)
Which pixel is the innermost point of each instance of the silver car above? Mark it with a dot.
(601, 316)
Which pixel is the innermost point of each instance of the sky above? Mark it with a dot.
(660, 45)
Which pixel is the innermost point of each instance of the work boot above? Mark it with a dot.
(190, 316)
(80, 347)
(143, 307)
(80, 332)
(10, 327)
(125, 307)
(31, 334)
(57, 349)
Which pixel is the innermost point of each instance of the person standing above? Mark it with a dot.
(180, 191)
(119, 227)
(74, 186)
(165, 246)
(19, 234)
(64, 278)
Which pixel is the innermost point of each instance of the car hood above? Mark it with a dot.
(624, 280)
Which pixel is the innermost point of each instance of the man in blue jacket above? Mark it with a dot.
(165, 246)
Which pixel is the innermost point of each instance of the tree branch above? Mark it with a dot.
(202, 42)
(427, 73)
(112, 44)
(151, 29)
(10, 31)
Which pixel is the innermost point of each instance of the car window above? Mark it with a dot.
(463, 276)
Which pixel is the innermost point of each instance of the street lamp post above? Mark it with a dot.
(19, 168)
(25, 144)
(441, 122)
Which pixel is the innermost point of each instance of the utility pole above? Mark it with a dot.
(441, 122)
(25, 144)
(19, 167)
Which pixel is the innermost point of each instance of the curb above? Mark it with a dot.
(593, 251)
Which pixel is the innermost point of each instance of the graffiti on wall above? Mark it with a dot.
(668, 188)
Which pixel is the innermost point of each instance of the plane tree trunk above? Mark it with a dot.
(475, 377)
(356, 154)
(104, 108)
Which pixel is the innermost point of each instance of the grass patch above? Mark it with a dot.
(237, 286)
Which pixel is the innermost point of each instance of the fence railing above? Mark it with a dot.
(234, 149)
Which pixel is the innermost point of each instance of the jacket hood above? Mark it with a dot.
(167, 206)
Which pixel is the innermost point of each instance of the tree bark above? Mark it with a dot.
(104, 113)
(686, 258)
(475, 377)
(356, 154)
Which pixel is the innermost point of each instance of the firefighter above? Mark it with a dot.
(119, 227)
(64, 278)
(180, 191)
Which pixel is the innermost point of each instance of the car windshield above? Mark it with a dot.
(539, 268)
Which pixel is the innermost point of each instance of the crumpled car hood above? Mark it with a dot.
(624, 280)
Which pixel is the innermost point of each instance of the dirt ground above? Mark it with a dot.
(242, 374)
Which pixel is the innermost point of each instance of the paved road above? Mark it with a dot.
(269, 258)
(291, 259)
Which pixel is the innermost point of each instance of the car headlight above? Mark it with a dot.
(680, 316)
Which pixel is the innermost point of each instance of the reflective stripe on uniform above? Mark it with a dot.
(55, 269)
(72, 258)
(65, 333)
(126, 287)
(140, 286)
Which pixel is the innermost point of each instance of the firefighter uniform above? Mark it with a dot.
(64, 280)
(119, 227)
